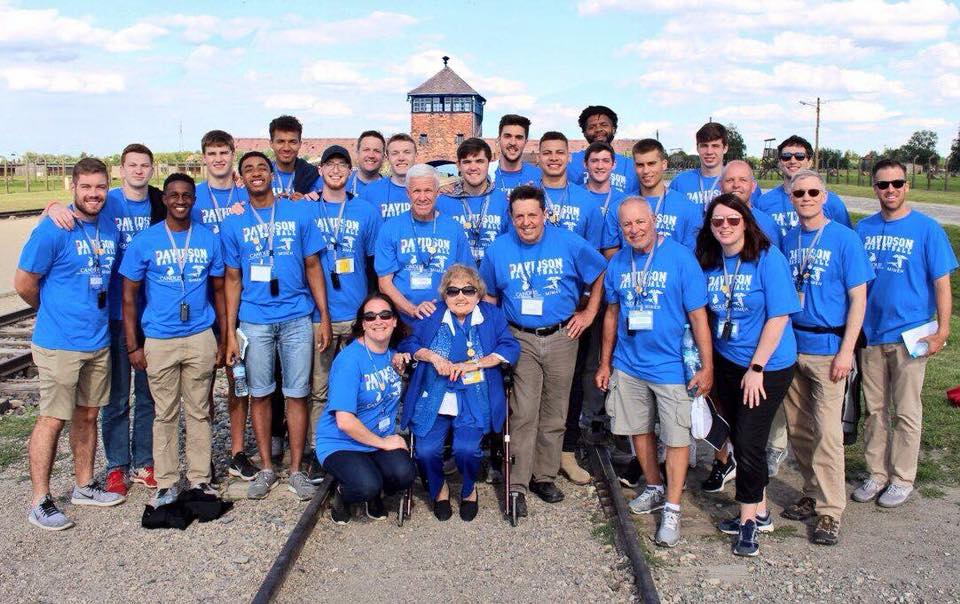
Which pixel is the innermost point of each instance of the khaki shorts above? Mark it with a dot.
(634, 406)
(70, 379)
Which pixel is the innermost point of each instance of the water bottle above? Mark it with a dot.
(691, 357)
(240, 379)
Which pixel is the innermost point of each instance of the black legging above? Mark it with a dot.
(362, 476)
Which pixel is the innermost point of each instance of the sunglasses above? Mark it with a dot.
(385, 315)
(884, 184)
(466, 291)
(717, 221)
(801, 156)
(799, 193)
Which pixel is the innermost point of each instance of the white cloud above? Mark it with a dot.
(948, 85)
(33, 30)
(308, 103)
(642, 129)
(207, 58)
(766, 111)
(47, 79)
(333, 72)
(735, 49)
(200, 28)
(378, 25)
(135, 37)
(511, 102)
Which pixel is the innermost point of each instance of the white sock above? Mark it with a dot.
(673, 507)
(657, 487)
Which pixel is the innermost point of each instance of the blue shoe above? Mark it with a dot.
(746, 544)
(48, 516)
(93, 494)
(732, 526)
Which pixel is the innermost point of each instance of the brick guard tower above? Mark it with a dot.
(444, 111)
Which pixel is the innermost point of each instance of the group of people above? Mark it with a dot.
(587, 274)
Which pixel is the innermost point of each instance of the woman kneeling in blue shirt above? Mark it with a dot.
(356, 438)
(457, 384)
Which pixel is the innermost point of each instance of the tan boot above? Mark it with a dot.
(572, 470)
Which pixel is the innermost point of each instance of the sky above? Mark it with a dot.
(95, 76)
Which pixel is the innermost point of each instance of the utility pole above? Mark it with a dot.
(816, 133)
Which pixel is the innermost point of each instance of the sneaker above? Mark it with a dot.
(572, 470)
(721, 474)
(315, 473)
(262, 484)
(804, 508)
(339, 509)
(144, 476)
(668, 535)
(241, 467)
(47, 515)
(299, 485)
(867, 490)
(93, 494)
(746, 544)
(205, 488)
(117, 481)
(827, 531)
(895, 495)
(732, 526)
(775, 457)
(375, 510)
(651, 500)
(632, 475)
(164, 497)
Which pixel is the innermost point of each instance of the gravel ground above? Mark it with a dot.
(559, 553)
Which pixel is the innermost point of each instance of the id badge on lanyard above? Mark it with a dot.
(532, 306)
(640, 319)
(260, 273)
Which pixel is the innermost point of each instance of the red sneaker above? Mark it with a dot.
(144, 476)
(117, 482)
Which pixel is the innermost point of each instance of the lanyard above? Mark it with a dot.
(123, 209)
(284, 190)
(656, 209)
(381, 386)
(353, 189)
(554, 209)
(213, 198)
(468, 332)
(431, 249)
(727, 287)
(527, 275)
(180, 255)
(640, 284)
(335, 228)
(703, 192)
(475, 222)
(270, 229)
(94, 243)
(803, 273)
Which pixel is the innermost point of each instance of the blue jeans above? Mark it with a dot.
(428, 449)
(118, 446)
(293, 339)
(362, 476)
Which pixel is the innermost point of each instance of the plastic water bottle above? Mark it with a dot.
(240, 379)
(691, 356)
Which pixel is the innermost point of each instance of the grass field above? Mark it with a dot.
(918, 194)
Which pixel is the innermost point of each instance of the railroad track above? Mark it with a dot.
(16, 329)
(20, 213)
(608, 491)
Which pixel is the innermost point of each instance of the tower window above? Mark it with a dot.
(459, 138)
(423, 139)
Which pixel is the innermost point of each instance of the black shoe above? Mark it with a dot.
(375, 509)
(632, 475)
(802, 509)
(469, 509)
(442, 510)
(521, 502)
(241, 467)
(315, 473)
(720, 475)
(339, 510)
(547, 491)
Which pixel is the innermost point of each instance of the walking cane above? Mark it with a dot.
(509, 495)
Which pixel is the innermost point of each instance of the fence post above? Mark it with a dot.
(6, 174)
(63, 172)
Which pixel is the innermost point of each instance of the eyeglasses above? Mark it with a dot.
(799, 193)
(801, 156)
(385, 315)
(884, 184)
(466, 291)
(732, 220)
(337, 165)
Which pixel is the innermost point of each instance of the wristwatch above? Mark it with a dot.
(756, 367)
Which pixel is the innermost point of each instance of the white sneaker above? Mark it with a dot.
(895, 495)
(867, 490)
(668, 535)
(651, 500)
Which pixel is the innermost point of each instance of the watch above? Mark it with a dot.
(756, 367)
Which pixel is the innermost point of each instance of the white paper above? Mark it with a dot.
(911, 338)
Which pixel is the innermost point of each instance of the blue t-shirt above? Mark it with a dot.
(836, 265)
(130, 217)
(674, 286)
(283, 183)
(908, 255)
(69, 317)
(676, 219)
(549, 274)
(366, 386)
(347, 251)
(623, 178)
(488, 217)
(212, 205)
(607, 202)
(575, 210)
(356, 186)
(151, 258)
(769, 227)
(413, 251)
(762, 290)
(391, 199)
(701, 190)
(506, 181)
(776, 202)
(246, 243)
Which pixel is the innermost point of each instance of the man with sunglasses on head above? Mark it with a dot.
(913, 260)
(273, 281)
(830, 273)
(796, 153)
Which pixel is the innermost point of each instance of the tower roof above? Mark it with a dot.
(446, 81)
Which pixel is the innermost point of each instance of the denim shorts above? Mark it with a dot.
(294, 341)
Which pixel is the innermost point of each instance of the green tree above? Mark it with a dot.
(736, 148)
(832, 159)
(954, 163)
(922, 147)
